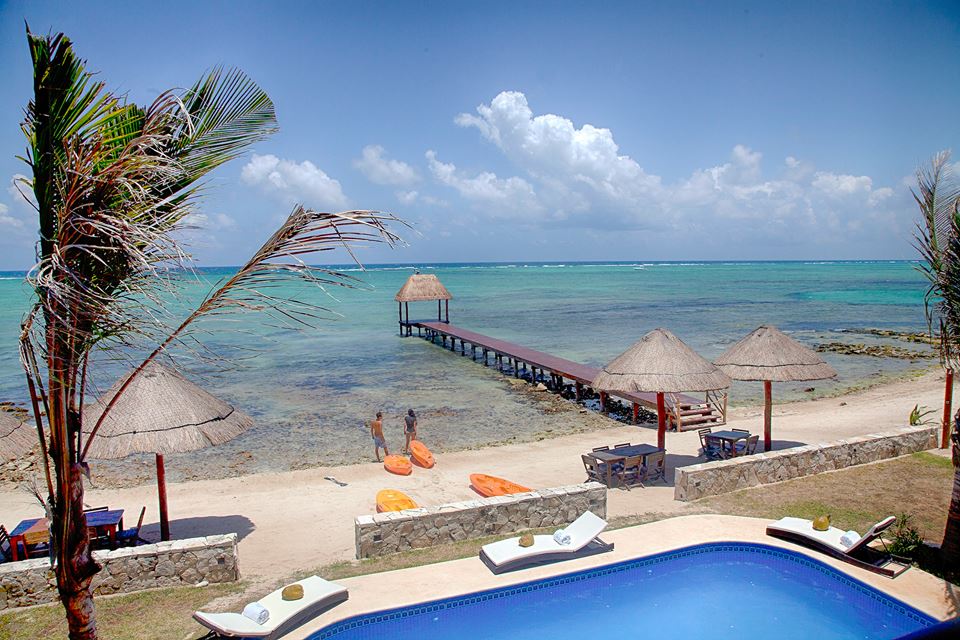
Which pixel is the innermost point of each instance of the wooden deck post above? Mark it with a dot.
(947, 410)
(636, 412)
(661, 421)
(446, 305)
(407, 305)
(400, 321)
(439, 316)
(767, 412)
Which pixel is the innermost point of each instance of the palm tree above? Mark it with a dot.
(113, 183)
(938, 239)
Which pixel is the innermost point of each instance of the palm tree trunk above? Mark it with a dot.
(950, 546)
(75, 566)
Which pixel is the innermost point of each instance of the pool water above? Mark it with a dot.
(728, 590)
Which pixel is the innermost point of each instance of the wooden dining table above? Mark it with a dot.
(610, 457)
(37, 530)
(728, 440)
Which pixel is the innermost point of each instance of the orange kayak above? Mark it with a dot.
(398, 465)
(421, 455)
(493, 486)
(393, 500)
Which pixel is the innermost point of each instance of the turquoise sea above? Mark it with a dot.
(312, 391)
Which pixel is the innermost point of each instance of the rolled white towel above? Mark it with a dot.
(256, 612)
(561, 537)
(849, 538)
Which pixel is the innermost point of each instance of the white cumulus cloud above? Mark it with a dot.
(7, 220)
(215, 222)
(381, 170)
(407, 197)
(294, 181)
(498, 195)
(579, 175)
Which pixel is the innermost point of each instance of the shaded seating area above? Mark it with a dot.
(625, 465)
(272, 615)
(844, 545)
(731, 443)
(31, 537)
(577, 540)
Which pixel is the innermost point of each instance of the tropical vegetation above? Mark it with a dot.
(114, 184)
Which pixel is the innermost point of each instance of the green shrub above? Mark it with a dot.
(906, 539)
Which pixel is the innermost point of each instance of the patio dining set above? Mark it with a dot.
(31, 537)
(722, 445)
(625, 465)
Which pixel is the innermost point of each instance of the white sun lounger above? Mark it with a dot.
(285, 615)
(507, 555)
(859, 553)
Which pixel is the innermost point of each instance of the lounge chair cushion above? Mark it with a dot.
(582, 531)
(316, 593)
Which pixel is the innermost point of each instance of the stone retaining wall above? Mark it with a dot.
(392, 532)
(165, 564)
(713, 478)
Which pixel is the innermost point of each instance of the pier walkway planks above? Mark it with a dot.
(579, 373)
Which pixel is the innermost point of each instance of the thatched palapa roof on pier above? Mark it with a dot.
(660, 362)
(422, 286)
(161, 412)
(16, 437)
(769, 354)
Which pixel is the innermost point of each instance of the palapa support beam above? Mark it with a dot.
(767, 413)
(162, 492)
(578, 390)
(661, 421)
(603, 402)
(636, 412)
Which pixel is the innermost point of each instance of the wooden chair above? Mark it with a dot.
(96, 509)
(622, 444)
(601, 448)
(37, 544)
(749, 446)
(6, 549)
(740, 430)
(629, 474)
(130, 537)
(655, 467)
(709, 447)
(595, 471)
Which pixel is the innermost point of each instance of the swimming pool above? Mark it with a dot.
(717, 590)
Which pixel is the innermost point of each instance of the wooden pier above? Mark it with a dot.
(684, 412)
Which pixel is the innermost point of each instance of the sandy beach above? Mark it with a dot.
(297, 521)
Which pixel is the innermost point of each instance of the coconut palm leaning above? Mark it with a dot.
(938, 239)
(113, 183)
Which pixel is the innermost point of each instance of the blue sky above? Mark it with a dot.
(544, 131)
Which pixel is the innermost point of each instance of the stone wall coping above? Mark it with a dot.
(145, 550)
(452, 507)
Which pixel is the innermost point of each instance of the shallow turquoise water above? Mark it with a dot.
(311, 391)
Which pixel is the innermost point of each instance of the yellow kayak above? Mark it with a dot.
(393, 500)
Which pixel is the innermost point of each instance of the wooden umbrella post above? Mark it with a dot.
(767, 412)
(446, 307)
(661, 421)
(947, 410)
(162, 490)
(439, 316)
(636, 412)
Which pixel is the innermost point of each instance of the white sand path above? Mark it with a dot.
(297, 520)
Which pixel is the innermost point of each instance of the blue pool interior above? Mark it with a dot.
(719, 591)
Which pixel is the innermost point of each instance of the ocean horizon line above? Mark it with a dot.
(353, 266)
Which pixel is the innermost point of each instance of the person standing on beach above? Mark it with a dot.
(376, 430)
(409, 429)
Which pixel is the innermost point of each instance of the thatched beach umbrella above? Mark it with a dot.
(662, 363)
(769, 355)
(161, 412)
(16, 437)
(421, 287)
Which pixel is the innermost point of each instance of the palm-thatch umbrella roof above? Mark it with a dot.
(660, 362)
(420, 287)
(769, 355)
(16, 437)
(161, 412)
